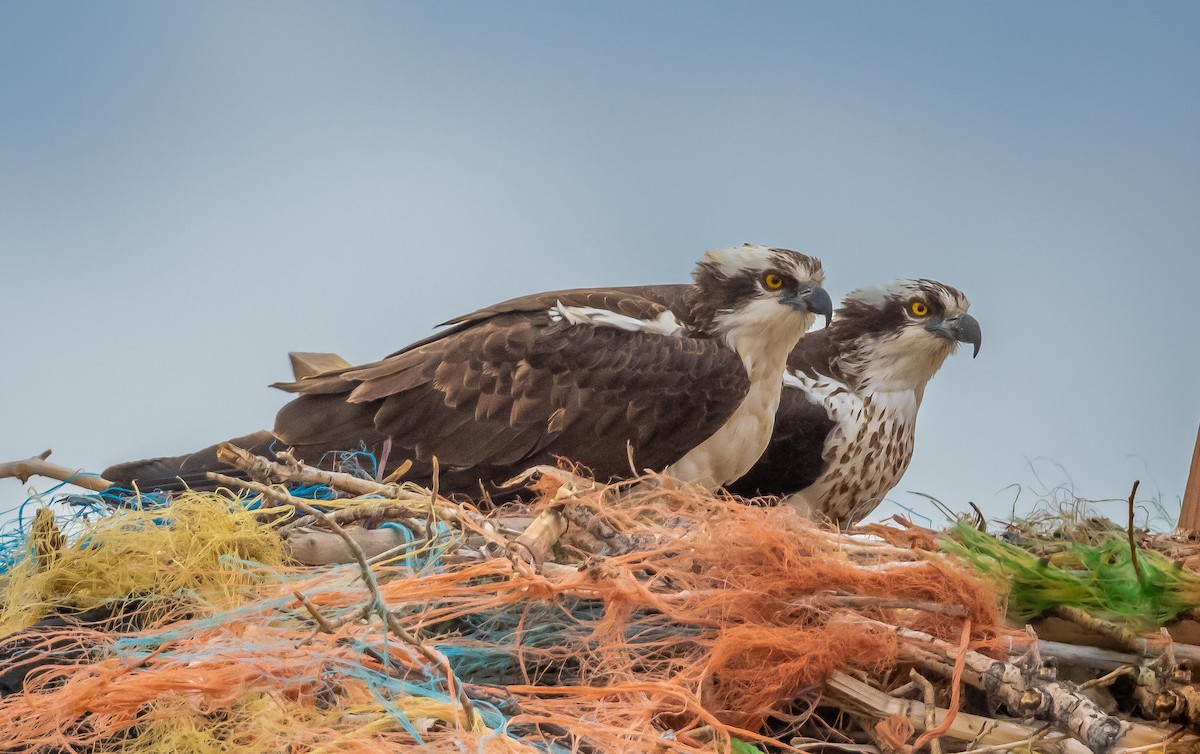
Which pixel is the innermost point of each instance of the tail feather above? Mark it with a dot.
(190, 471)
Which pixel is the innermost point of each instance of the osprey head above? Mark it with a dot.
(898, 335)
(757, 287)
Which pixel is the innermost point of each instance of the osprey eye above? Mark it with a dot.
(772, 282)
(919, 308)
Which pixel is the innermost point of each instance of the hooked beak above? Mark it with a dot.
(964, 328)
(811, 298)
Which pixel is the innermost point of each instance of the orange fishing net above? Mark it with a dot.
(708, 618)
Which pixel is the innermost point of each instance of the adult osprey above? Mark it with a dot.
(843, 436)
(691, 387)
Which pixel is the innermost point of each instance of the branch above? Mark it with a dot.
(1133, 550)
(856, 601)
(965, 727)
(301, 474)
(39, 466)
(431, 655)
(1019, 689)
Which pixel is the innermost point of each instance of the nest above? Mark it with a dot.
(304, 610)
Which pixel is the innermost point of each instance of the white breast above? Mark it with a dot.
(762, 334)
(732, 450)
(866, 453)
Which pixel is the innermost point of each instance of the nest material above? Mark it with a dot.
(646, 618)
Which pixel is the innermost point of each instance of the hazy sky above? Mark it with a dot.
(189, 191)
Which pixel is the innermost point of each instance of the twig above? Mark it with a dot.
(980, 519)
(935, 746)
(435, 658)
(267, 491)
(1037, 735)
(371, 512)
(39, 466)
(860, 601)
(1133, 550)
(1123, 636)
(1092, 657)
(302, 474)
(1106, 658)
(433, 490)
(1107, 679)
(321, 620)
(931, 734)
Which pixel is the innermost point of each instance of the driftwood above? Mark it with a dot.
(1086, 656)
(39, 466)
(1025, 688)
(313, 547)
(534, 544)
(1054, 631)
(985, 733)
(849, 693)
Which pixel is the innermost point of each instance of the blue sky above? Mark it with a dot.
(189, 191)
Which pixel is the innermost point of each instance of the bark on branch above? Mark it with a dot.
(39, 466)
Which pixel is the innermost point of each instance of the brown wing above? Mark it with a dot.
(504, 390)
(640, 302)
(630, 301)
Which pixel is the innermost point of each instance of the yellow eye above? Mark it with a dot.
(772, 282)
(919, 308)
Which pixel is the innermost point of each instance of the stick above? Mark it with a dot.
(1092, 657)
(1047, 700)
(435, 658)
(301, 474)
(1133, 550)
(39, 466)
(1075, 647)
(860, 601)
(964, 727)
(537, 539)
(1124, 637)
(935, 746)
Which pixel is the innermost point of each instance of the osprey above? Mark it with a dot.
(843, 436)
(591, 375)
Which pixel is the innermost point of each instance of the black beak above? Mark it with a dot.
(812, 298)
(964, 328)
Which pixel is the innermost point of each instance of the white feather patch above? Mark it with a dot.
(738, 259)
(791, 379)
(664, 324)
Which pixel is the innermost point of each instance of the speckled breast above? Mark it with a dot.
(867, 452)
